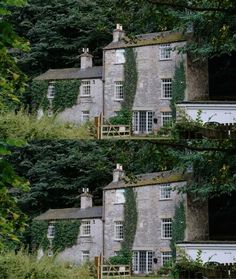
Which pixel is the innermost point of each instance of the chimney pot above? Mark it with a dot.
(118, 173)
(118, 33)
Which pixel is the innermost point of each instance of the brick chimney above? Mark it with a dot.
(86, 59)
(118, 33)
(86, 199)
(118, 173)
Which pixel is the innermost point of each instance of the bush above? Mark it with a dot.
(24, 266)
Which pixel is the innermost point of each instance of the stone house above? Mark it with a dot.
(89, 241)
(156, 201)
(90, 96)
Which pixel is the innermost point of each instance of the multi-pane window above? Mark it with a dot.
(119, 91)
(85, 116)
(142, 262)
(142, 122)
(166, 88)
(165, 192)
(166, 118)
(85, 228)
(51, 90)
(166, 258)
(120, 56)
(165, 51)
(119, 230)
(119, 197)
(51, 230)
(86, 88)
(85, 256)
(166, 228)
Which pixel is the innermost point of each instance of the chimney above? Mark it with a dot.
(86, 59)
(118, 33)
(86, 199)
(118, 173)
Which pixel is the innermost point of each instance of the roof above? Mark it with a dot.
(71, 213)
(71, 73)
(148, 179)
(148, 39)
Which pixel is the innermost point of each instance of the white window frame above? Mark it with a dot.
(166, 88)
(85, 256)
(166, 118)
(119, 196)
(51, 230)
(85, 228)
(165, 192)
(119, 230)
(164, 52)
(119, 91)
(120, 56)
(148, 122)
(166, 228)
(86, 88)
(85, 116)
(51, 90)
(166, 257)
(137, 261)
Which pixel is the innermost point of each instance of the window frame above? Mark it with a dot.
(119, 196)
(166, 228)
(165, 191)
(166, 88)
(51, 90)
(85, 228)
(85, 116)
(166, 118)
(119, 231)
(85, 88)
(147, 121)
(119, 91)
(165, 257)
(51, 230)
(120, 56)
(164, 52)
(85, 256)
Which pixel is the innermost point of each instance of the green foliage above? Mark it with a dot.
(123, 257)
(23, 266)
(123, 117)
(66, 234)
(178, 227)
(38, 94)
(178, 87)
(28, 127)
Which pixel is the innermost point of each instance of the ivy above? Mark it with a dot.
(178, 87)
(66, 94)
(178, 227)
(66, 233)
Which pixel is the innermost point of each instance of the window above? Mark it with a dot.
(119, 230)
(85, 256)
(166, 228)
(166, 118)
(120, 56)
(165, 192)
(86, 88)
(164, 51)
(166, 88)
(142, 122)
(51, 230)
(85, 228)
(166, 258)
(51, 90)
(142, 262)
(85, 116)
(119, 92)
(120, 198)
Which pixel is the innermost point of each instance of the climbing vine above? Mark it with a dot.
(178, 227)
(130, 224)
(178, 87)
(66, 94)
(124, 116)
(66, 233)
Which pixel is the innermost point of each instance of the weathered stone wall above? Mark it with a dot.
(197, 220)
(93, 104)
(92, 243)
(150, 212)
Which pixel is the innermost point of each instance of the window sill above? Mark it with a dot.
(166, 238)
(169, 199)
(118, 100)
(85, 236)
(165, 59)
(163, 98)
(116, 203)
(85, 96)
(119, 63)
(118, 240)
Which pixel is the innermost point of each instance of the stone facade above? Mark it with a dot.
(151, 247)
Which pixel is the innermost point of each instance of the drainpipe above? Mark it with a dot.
(103, 83)
(103, 223)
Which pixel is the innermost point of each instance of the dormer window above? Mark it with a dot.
(120, 56)
(51, 90)
(165, 51)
